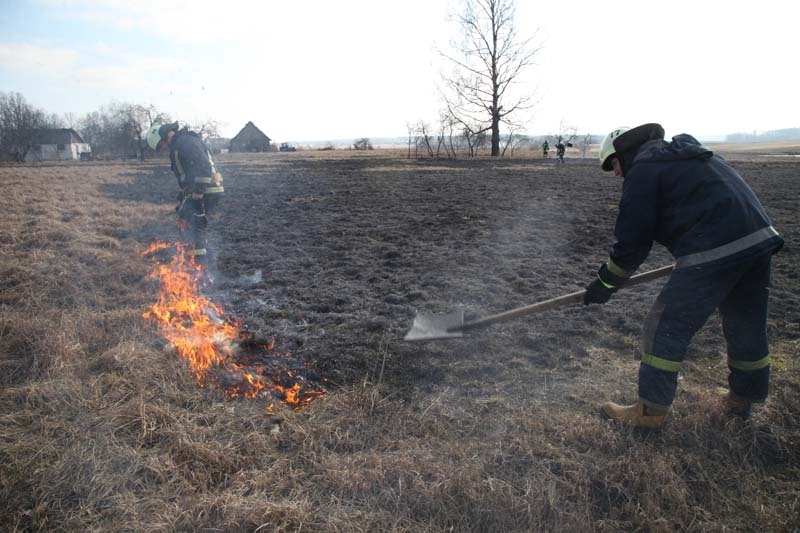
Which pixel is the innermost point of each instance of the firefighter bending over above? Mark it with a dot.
(683, 196)
(198, 180)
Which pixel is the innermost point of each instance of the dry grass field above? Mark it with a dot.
(103, 426)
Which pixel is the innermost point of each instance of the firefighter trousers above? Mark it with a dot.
(739, 289)
(201, 209)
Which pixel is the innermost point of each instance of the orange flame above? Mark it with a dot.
(194, 325)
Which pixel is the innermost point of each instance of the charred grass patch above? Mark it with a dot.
(103, 428)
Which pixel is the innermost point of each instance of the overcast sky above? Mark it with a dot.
(306, 70)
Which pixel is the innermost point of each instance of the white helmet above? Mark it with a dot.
(607, 147)
(153, 136)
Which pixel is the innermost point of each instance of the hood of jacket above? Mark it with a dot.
(682, 147)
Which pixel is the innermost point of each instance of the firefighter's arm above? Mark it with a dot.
(636, 224)
(634, 232)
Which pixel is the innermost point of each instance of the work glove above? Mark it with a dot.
(180, 196)
(600, 290)
(598, 293)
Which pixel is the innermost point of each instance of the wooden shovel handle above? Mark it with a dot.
(566, 299)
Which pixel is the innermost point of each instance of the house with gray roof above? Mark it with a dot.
(250, 139)
(57, 144)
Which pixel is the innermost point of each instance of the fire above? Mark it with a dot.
(210, 344)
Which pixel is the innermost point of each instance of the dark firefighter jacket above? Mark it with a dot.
(192, 164)
(683, 196)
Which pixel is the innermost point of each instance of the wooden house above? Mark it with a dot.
(250, 139)
(56, 144)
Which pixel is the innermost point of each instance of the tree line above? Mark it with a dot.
(115, 130)
(786, 134)
(449, 139)
(18, 120)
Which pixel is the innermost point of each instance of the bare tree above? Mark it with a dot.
(119, 129)
(135, 120)
(446, 128)
(95, 128)
(475, 139)
(425, 142)
(207, 130)
(586, 142)
(566, 134)
(70, 120)
(513, 141)
(362, 144)
(487, 64)
(18, 120)
(422, 139)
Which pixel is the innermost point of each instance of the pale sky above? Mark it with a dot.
(308, 70)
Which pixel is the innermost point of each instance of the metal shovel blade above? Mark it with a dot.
(452, 325)
(430, 327)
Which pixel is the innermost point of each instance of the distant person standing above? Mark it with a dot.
(545, 149)
(198, 180)
(683, 196)
(560, 150)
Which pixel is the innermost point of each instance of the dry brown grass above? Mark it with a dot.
(762, 150)
(103, 429)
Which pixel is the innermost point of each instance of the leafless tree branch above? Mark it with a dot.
(486, 64)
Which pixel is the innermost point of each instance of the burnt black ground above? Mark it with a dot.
(351, 247)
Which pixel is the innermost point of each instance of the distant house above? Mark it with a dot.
(56, 144)
(250, 139)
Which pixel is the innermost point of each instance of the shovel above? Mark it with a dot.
(428, 327)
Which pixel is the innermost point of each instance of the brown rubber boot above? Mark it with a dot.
(636, 415)
(735, 405)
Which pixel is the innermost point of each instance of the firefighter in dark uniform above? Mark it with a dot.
(198, 180)
(683, 196)
(545, 148)
(560, 151)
